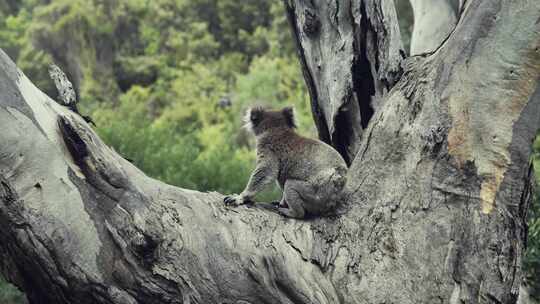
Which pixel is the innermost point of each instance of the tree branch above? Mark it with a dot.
(436, 199)
(84, 225)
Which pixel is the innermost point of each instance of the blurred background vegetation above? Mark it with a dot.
(165, 81)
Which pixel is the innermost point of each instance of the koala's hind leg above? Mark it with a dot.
(294, 196)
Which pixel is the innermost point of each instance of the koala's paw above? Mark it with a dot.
(284, 211)
(288, 212)
(235, 200)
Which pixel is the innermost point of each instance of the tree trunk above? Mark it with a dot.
(350, 53)
(433, 23)
(439, 186)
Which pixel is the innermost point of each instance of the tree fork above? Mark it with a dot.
(437, 199)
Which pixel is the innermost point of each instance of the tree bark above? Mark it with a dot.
(433, 23)
(439, 186)
(350, 53)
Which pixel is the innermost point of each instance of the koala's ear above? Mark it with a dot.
(256, 114)
(288, 112)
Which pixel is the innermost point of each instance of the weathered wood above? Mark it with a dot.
(66, 93)
(433, 23)
(81, 224)
(446, 161)
(435, 210)
(350, 53)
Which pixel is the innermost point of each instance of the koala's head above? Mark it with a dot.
(259, 119)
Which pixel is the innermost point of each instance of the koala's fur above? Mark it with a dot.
(311, 173)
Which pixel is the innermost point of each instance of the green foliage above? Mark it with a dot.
(12, 33)
(9, 294)
(275, 81)
(186, 143)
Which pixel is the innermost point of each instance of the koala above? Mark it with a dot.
(311, 174)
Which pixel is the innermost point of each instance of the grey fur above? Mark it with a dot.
(311, 173)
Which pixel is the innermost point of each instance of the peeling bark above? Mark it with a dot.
(435, 208)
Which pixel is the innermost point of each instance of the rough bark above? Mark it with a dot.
(350, 53)
(464, 170)
(433, 23)
(436, 203)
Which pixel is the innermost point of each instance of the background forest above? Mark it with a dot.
(166, 82)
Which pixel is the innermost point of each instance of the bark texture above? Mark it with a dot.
(350, 53)
(433, 23)
(436, 203)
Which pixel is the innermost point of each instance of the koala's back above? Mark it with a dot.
(306, 159)
(317, 155)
